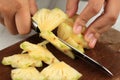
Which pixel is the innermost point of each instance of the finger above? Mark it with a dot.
(9, 20)
(33, 6)
(71, 7)
(22, 18)
(10, 24)
(92, 8)
(104, 22)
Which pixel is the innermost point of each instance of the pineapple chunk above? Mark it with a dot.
(29, 73)
(60, 71)
(72, 42)
(21, 60)
(65, 32)
(48, 35)
(39, 52)
(43, 44)
(48, 20)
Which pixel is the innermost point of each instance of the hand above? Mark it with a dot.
(16, 15)
(99, 25)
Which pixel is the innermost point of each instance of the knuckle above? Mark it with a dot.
(18, 5)
(81, 21)
(112, 18)
(95, 6)
(5, 9)
(95, 9)
(97, 35)
(10, 9)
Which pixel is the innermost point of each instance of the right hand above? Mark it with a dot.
(105, 20)
(16, 15)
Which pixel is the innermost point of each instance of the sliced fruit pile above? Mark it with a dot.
(48, 20)
(32, 56)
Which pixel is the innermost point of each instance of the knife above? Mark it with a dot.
(88, 59)
(78, 53)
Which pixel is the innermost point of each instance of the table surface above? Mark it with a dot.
(104, 53)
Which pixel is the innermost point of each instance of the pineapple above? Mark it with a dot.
(48, 20)
(60, 71)
(38, 52)
(43, 44)
(48, 35)
(29, 73)
(25, 63)
(65, 32)
(21, 60)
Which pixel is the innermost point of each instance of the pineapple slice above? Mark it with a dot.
(43, 44)
(65, 32)
(48, 35)
(48, 20)
(38, 52)
(60, 71)
(29, 73)
(72, 42)
(21, 60)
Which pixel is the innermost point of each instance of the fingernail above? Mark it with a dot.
(68, 12)
(77, 29)
(92, 42)
(88, 37)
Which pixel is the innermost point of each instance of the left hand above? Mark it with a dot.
(99, 25)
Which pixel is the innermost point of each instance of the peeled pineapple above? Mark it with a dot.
(48, 20)
(43, 44)
(65, 32)
(21, 60)
(29, 73)
(38, 52)
(48, 35)
(60, 71)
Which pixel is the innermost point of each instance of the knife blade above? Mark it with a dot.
(35, 26)
(88, 59)
(78, 53)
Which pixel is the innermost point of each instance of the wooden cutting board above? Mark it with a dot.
(106, 52)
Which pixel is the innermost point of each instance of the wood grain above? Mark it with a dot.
(101, 53)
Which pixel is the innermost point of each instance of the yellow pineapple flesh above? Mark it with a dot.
(39, 52)
(21, 60)
(60, 71)
(29, 73)
(65, 32)
(48, 20)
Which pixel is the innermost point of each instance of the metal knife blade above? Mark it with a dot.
(88, 59)
(78, 53)
(35, 26)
